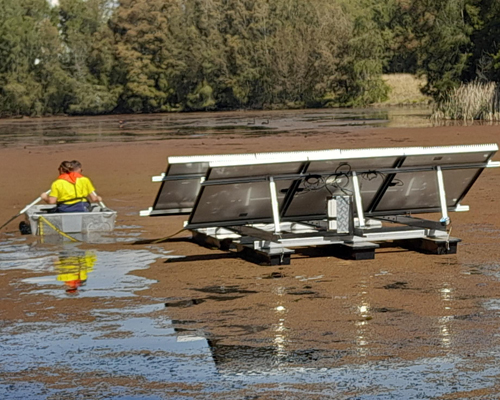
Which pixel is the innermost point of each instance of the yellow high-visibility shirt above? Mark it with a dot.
(69, 193)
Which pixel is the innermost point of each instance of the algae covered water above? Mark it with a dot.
(84, 329)
(131, 316)
(126, 128)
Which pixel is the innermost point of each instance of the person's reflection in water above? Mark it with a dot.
(72, 269)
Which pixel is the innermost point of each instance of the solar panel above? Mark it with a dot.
(264, 204)
(418, 191)
(181, 182)
(387, 181)
(237, 203)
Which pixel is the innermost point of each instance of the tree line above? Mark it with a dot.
(133, 56)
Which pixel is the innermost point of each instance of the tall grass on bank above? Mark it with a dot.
(405, 89)
(471, 101)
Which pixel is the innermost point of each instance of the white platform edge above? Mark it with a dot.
(327, 155)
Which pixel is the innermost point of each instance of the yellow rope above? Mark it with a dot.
(40, 229)
(448, 239)
(167, 237)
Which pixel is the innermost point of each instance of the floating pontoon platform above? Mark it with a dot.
(347, 201)
(43, 222)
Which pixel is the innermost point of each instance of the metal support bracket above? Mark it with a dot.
(445, 220)
(357, 199)
(274, 205)
(412, 221)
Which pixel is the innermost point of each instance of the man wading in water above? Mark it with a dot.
(71, 191)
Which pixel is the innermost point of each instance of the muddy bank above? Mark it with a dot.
(310, 330)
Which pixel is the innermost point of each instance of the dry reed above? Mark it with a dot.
(471, 101)
(405, 89)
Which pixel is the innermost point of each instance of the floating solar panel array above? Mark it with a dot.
(249, 189)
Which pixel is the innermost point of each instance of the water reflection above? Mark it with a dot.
(446, 295)
(364, 315)
(72, 269)
(317, 340)
(117, 344)
(444, 322)
(119, 235)
(46, 131)
(280, 330)
(182, 358)
(114, 128)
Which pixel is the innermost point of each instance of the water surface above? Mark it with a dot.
(88, 332)
(126, 128)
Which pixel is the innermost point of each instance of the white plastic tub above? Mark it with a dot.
(97, 220)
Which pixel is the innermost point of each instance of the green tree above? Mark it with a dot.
(484, 60)
(365, 54)
(24, 25)
(306, 52)
(151, 58)
(446, 45)
(246, 28)
(88, 56)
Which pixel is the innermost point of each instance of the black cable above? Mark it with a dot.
(341, 180)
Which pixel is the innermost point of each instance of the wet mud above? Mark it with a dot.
(131, 316)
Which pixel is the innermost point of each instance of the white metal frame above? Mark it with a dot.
(274, 205)
(339, 155)
(306, 233)
(358, 201)
(445, 220)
